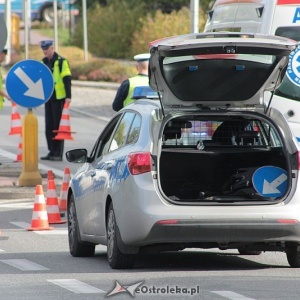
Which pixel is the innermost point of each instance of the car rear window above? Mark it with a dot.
(202, 132)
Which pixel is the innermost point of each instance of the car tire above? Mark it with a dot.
(293, 258)
(77, 248)
(47, 14)
(244, 251)
(116, 259)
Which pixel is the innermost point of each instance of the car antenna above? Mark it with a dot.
(159, 96)
(272, 92)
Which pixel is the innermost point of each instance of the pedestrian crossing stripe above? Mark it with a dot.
(76, 286)
(24, 264)
(18, 205)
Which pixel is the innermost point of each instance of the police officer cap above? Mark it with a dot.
(46, 44)
(142, 57)
(4, 51)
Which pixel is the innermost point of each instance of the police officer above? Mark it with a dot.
(3, 94)
(125, 91)
(60, 69)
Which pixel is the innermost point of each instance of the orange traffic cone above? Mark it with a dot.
(52, 204)
(50, 175)
(64, 190)
(39, 214)
(64, 130)
(16, 122)
(19, 153)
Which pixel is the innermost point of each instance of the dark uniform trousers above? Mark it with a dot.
(53, 113)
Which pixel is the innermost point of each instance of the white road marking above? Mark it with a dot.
(17, 205)
(25, 226)
(76, 286)
(24, 264)
(53, 232)
(12, 156)
(232, 295)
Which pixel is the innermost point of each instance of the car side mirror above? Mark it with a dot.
(77, 156)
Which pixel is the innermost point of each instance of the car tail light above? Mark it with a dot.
(287, 221)
(167, 222)
(139, 163)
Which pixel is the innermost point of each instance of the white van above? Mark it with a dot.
(277, 17)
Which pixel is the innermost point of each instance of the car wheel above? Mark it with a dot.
(116, 259)
(47, 14)
(244, 251)
(77, 248)
(293, 258)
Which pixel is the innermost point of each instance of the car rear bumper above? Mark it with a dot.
(224, 232)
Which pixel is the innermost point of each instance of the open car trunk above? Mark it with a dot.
(219, 159)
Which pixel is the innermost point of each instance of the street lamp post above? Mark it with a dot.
(194, 9)
(85, 34)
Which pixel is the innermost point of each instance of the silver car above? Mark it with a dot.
(199, 162)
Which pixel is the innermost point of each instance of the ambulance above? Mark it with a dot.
(277, 17)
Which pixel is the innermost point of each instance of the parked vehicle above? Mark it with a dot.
(277, 17)
(41, 10)
(207, 165)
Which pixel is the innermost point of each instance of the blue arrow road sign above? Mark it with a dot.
(270, 181)
(29, 83)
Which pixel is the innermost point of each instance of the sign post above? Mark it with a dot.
(29, 83)
(3, 33)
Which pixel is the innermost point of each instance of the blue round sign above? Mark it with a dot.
(293, 70)
(270, 181)
(29, 83)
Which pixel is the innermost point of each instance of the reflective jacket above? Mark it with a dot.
(61, 69)
(138, 80)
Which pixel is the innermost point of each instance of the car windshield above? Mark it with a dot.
(230, 17)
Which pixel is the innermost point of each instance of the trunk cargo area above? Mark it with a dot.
(221, 174)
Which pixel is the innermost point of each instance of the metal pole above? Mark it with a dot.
(63, 17)
(8, 26)
(26, 28)
(55, 26)
(85, 34)
(194, 9)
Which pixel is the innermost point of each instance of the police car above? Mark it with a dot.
(202, 164)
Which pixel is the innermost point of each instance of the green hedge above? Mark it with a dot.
(121, 31)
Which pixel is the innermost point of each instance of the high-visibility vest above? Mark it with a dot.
(1, 87)
(138, 80)
(61, 69)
